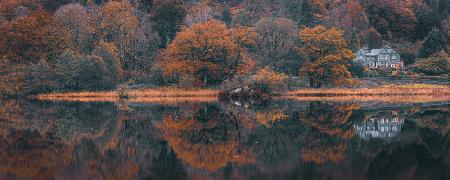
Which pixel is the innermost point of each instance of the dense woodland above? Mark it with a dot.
(72, 45)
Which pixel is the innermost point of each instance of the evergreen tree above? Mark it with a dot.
(434, 42)
(227, 17)
(374, 40)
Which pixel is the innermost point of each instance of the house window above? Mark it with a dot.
(393, 57)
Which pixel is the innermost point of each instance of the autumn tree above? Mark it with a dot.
(168, 16)
(434, 42)
(328, 58)
(119, 24)
(277, 44)
(206, 53)
(268, 80)
(32, 38)
(75, 19)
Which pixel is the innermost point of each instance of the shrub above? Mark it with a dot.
(269, 81)
(438, 63)
(83, 72)
(109, 55)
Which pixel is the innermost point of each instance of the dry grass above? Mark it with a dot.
(150, 100)
(80, 99)
(173, 100)
(160, 96)
(83, 94)
(373, 98)
(388, 90)
(172, 92)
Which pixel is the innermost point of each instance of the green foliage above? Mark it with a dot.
(168, 15)
(434, 42)
(227, 17)
(438, 63)
(426, 21)
(109, 56)
(146, 5)
(357, 70)
(373, 39)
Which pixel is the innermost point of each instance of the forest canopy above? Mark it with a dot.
(100, 44)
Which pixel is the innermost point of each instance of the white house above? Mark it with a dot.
(383, 128)
(384, 57)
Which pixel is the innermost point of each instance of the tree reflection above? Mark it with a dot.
(28, 154)
(205, 139)
(330, 129)
(273, 140)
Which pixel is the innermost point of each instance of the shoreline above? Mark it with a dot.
(382, 93)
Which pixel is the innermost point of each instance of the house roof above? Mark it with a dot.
(376, 52)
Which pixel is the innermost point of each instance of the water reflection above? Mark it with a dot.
(384, 127)
(282, 139)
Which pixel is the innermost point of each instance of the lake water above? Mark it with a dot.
(280, 139)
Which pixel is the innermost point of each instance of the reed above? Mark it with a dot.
(388, 90)
(83, 94)
(172, 100)
(373, 98)
(172, 92)
(158, 95)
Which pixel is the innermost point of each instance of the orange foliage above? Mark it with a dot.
(209, 156)
(334, 122)
(327, 54)
(31, 38)
(119, 24)
(333, 153)
(270, 77)
(268, 118)
(39, 160)
(206, 51)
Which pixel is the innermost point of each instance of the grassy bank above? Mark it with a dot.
(373, 98)
(387, 93)
(386, 90)
(157, 95)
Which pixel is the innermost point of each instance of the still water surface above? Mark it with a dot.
(281, 139)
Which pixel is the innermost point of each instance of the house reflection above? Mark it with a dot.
(384, 128)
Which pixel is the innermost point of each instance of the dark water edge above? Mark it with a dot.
(280, 139)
